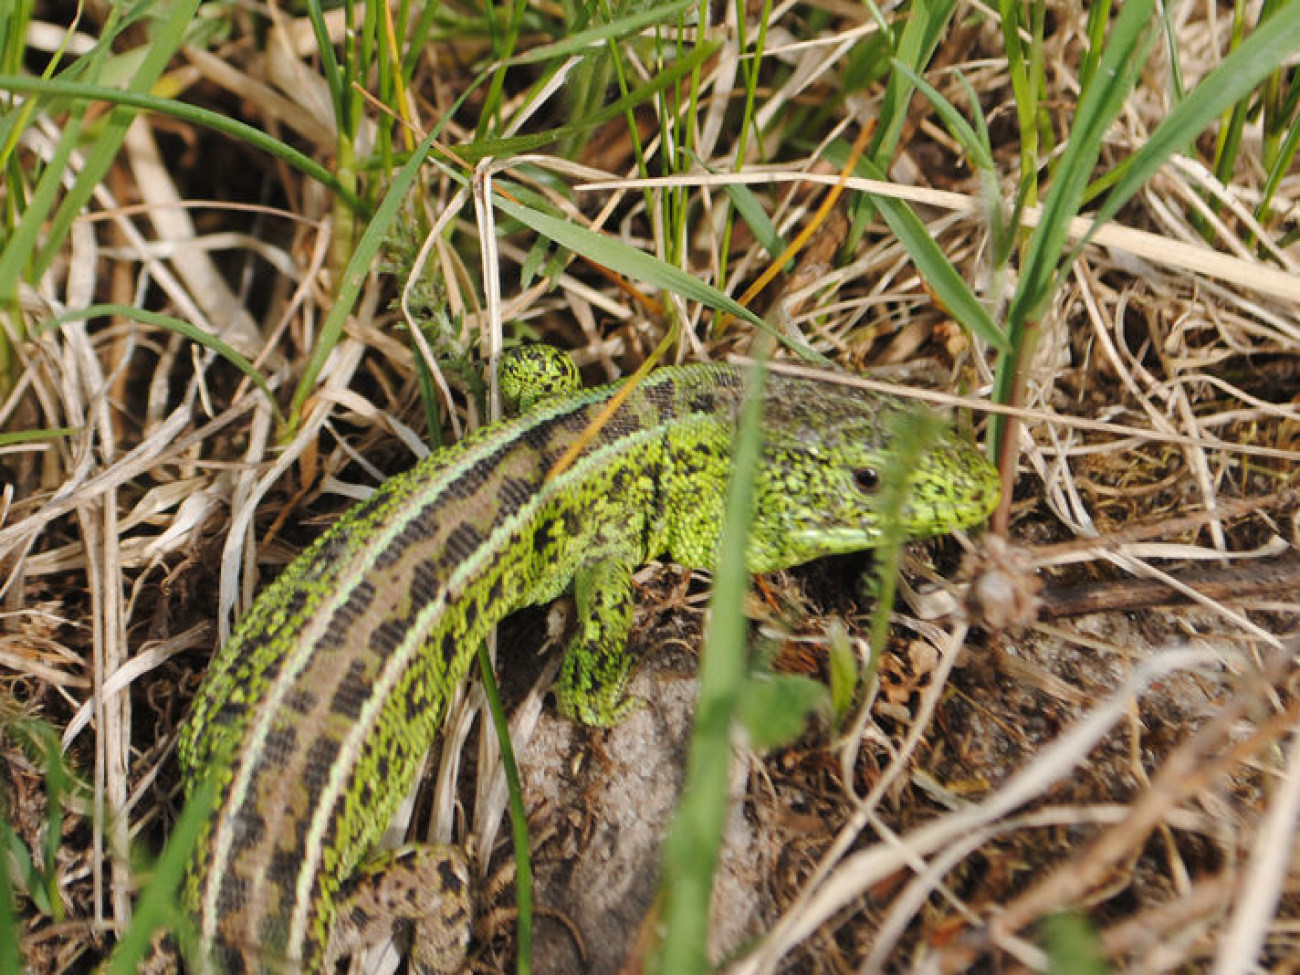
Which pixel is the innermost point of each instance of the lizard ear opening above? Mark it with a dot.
(867, 479)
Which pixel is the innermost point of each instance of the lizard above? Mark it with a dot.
(312, 720)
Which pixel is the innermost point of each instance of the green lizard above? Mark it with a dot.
(315, 715)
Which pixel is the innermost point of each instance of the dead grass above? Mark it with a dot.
(1137, 766)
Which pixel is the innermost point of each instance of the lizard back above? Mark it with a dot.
(317, 712)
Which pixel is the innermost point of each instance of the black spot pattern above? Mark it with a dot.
(320, 760)
(353, 691)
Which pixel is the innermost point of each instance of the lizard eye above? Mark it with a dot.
(866, 479)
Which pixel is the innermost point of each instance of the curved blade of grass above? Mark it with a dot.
(1120, 63)
(472, 152)
(639, 266)
(165, 40)
(976, 148)
(187, 113)
(944, 279)
(354, 276)
(1264, 52)
(578, 42)
(158, 904)
(172, 324)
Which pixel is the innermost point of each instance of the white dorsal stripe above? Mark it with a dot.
(396, 665)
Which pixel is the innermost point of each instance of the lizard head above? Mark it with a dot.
(842, 469)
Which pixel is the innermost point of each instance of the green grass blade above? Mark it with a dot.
(750, 210)
(21, 245)
(1098, 18)
(329, 62)
(1264, 52)
(354, 276)
(35, 436)
(158, 905)
(518, 818)
(695, 837)
(472, 152)
(187, 113)
(164, 42)
(503, 48)
(1025, 92)
(913, 433)
(172, 324)
(639, 266)
(922, 31)
(1278, 170)
(1120, 62)
(11, 960)
(619, 27)
(1117, 71)
(939, 273)
(974, 144)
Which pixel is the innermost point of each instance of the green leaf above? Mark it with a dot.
(774, 708)
(844, 676)
(1073, 947)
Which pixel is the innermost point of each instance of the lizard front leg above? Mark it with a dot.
(596, 663)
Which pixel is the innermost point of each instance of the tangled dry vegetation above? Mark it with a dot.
(1120, 746)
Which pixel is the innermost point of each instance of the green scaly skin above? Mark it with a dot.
(314, 717)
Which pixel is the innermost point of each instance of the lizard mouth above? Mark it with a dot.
(839, 538)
